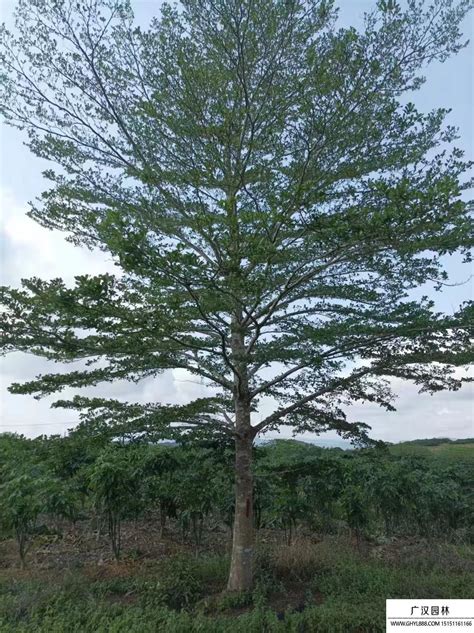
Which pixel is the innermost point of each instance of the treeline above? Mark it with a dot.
(438, 441)
(188, 488)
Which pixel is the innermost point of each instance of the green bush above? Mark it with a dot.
(180, 587)
(24, 496)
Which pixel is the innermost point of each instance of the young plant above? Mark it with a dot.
(23, 497)
(115, 485)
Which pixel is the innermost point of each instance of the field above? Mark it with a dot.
(327, 557)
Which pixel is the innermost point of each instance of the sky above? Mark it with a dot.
(26, 249)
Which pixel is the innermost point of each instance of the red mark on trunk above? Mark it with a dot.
(247, 509)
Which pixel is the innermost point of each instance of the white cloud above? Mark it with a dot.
(29, 249)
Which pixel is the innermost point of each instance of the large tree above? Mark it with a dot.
(270, 197)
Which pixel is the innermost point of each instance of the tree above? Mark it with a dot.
(160, 471)
(114, 479)
(23, 498)
(269, 199)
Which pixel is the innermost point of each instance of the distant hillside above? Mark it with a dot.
(437, 441)
(440, 448)
(344, 444)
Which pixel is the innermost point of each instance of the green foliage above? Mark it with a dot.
(114, 479)
(371, 491)
(30, 490)
(15, 450)
(180, 588)
(61, 501)
(300, 488)
(24, 496)
(21, 501)
(447, 452)
(196, 500)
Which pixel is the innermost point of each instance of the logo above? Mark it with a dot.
(439, 615)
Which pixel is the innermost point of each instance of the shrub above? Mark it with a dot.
(23, 497)
(180, 587)
(114, 480)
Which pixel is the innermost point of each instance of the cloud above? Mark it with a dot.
(24, 414)
(28, 249)
(444, 414)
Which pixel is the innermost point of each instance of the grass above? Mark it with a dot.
(326, 587)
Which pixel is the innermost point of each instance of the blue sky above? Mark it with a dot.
(27, 249)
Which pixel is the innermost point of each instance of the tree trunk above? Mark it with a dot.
(22, 548)
(241, 566)
(162, 519)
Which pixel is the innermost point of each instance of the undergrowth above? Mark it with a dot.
(334, 589)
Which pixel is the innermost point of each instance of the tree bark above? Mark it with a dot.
(241, 566)
(162, 519)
